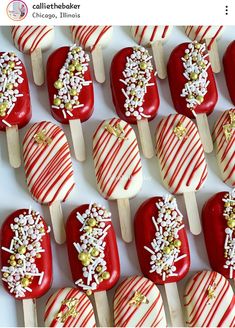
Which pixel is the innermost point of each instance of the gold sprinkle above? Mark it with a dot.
(180, 131)
(117, 130)
(70, 311)
(230, 127)
(138, 299)
(41, 138)
(211, 291)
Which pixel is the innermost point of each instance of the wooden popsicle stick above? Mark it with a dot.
(37, 66)
(125, 219)
(98, 64)
(13, 145)
(30, 313)
(102, 309)
(205, 133)
(214, 56)
(78, 140)
(174, 304)
(192, 212)
(57, 221)
(158, 56)
(145, 138)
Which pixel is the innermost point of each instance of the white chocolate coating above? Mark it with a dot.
(150, 314)
(76, 301)
(182, 160)
(89, 37)
(205, 311)
(29, 38)
(48, 167)
(117, 161)
(201, 33)
(145, 35)
(225, 148)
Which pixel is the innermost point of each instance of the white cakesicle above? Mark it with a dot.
(145, 35)
(224, 142)
(202, 33)
(209, 301)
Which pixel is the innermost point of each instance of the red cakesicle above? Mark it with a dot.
(71, 96)
(219, 234)
(26, 259)
(182, 83)
(134, 91)
(15, 110)
(93, 254)
(229, 69)
(156, 219)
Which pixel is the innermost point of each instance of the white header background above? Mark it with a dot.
(134, 12)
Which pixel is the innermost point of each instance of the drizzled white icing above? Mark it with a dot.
(165, 247)
(229, 244)
(137, 75)
(10, 78)
(94, 231)
(24, 250)
(71, 80)
(195, 63)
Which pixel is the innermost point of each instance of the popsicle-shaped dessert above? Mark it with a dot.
(33, 40)
(15, 108)
(138, 303)
(154, 37)
(209, 35)
(135, 92)
(229, 69)
(182, 162)
(162, 248)
(26, 261)
(220, 236)
(118, 167)
(68, 307)
(209, 301)
(224, 142)
(192, 85)
(70, 91)
(49, 171)
(93, 254)
(93, 39)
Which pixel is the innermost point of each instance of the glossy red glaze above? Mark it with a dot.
(54, 64)
(144, 235)
(151, 99)
(177, 81)
(21, 114)
(229, 69)
(43, 264)
(73, 234)
(214, 225)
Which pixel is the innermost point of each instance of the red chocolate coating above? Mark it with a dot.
(177, 81)
(73, 234)
(54, 64)
(229, 69)
(145, 233)
(21, 114)
(214, 225)
(151, 99)
(43, 264)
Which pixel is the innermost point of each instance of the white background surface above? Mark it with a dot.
(13, 189)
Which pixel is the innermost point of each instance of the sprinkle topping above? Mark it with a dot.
(71, 80)
(229, 244)
(68, 310)
(230, 127)
(41, 138)
(196, 64)
(10, 78)
(91, 247)
(137, 75)
(211, 292)
(24, 251)
(180, 131)
(138, 299)
(117, 130)
(165, 247)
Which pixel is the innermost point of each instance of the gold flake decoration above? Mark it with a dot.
(138, 299)
(211, 291)
(117, 130)
(230, 127)
(41, 138)
(69, 311)
(180, 131)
